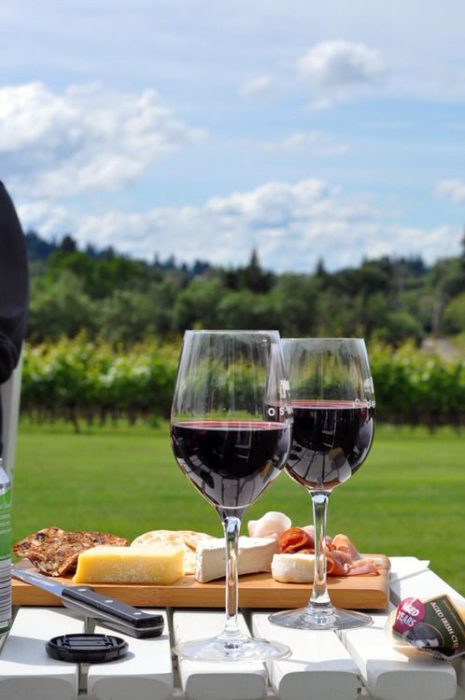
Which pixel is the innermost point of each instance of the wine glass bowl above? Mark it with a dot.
(332, 398)
(330, 442)
(230, 464)
(231, 433)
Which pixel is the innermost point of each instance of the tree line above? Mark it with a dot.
(121, 300)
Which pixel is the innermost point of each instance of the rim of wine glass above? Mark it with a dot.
(230, 332)
(334, 339)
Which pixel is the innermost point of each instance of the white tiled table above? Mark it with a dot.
(323, 666)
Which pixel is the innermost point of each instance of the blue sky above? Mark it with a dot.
(204, 129)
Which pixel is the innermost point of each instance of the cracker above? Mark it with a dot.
(55, 552)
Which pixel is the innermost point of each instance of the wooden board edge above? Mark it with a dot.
(211, 595)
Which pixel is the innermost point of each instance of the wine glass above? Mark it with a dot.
(332, 397)
(231, 434)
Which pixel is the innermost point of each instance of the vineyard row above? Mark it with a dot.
(82, 381)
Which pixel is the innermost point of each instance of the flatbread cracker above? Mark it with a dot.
(187, 539)
(55, 552)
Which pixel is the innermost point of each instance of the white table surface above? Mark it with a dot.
(323, 666)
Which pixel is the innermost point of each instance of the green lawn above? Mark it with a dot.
(408, 498)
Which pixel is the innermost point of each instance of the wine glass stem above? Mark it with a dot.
(232, 526)
(320, 597)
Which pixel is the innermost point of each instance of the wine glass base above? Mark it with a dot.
(330, 619)
(224, 648)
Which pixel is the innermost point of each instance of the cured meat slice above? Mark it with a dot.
(294, 540)
(338, 563)
(344, 544)
(367, 567)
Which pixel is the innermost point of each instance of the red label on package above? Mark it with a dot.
(409, 612)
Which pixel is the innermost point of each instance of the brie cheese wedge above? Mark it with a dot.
(293, 568)
(255, 555)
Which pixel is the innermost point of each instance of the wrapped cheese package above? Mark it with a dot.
(435, 626)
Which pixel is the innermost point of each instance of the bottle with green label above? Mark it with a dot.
(5, 551)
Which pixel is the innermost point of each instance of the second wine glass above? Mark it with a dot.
(333, 403)
(231, 432)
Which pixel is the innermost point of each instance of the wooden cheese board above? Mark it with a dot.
(255, 591)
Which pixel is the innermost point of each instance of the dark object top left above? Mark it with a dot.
(14, 288)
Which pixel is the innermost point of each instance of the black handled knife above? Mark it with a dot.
(102, 608)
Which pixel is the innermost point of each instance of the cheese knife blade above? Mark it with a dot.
(103, 608)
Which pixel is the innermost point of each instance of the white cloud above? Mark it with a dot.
(84, 139)
(292, 226)
(260, 87)
(51, 220)
(337, 63)
(452, 189)
(336, 68)
(312, 142)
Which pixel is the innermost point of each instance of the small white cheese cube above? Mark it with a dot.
(293, 568)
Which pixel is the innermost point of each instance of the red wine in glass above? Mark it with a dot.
(230, 462)
(330, 441)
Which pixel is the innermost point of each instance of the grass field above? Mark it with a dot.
(408, 498)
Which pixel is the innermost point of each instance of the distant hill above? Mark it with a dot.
(123, 299)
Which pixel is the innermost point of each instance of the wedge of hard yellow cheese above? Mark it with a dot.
(144, 565)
